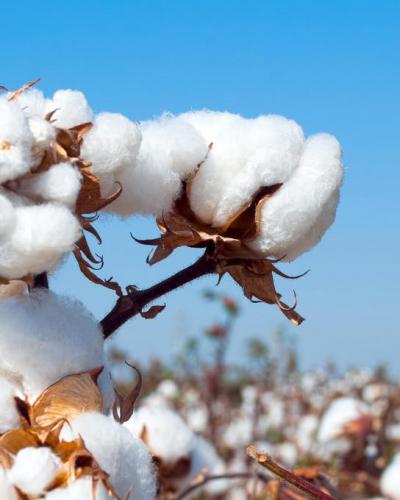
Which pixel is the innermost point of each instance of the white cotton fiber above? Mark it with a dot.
(7, 217)
(9, 417)
(72, 108)
(32, 102)
(125, 458)
(390, 479)
(45, 337)
(170, 150)
(205, 459)
(247, 154)
(43, 135)
(15, 141)
(167, 435)
(8, 492)
(34, 469)
(61, 183)
(42, 234)
(341, 411)
(297, 216)
(80, 489)
(111, 144)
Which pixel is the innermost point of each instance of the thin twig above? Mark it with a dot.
(230, 475)
(296, 481)
(133, 303)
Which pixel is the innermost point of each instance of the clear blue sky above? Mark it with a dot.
(331, 65)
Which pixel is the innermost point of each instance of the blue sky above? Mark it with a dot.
(332, 66)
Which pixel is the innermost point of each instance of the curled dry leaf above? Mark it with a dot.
(152, 312)
(67, 398)
(124, 405)
(227, 245)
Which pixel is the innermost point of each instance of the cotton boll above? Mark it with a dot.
(105, 384)
(204, 458)
(238, 433)
(34, 469)
(167, 434)
(341, 411)
(15, 141)
(111, 144)
(124, 458)
(297, 216)
(7, 218)
(72, 108)
(80, 489)
(43, 133)
(8, 492)
(42, 235)
(169, 152)
(55, 336)
(32, 102)
(390, 479)
(9, 417)
(61, 183)
(169, 389)
(247, 154)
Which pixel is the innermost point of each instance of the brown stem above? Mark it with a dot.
(206, 479)
(135, 300)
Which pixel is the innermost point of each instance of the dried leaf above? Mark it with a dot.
(152, 312)
(85, 269)
(17, 439)
(124, 405)
(67, 398)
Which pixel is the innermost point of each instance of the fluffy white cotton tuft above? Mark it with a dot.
(297, 216)
(15, 141)
(43, 134)
(8, 492)
(7, 218)
(34, 469)
(247, 154)
(55, 336)
(42, 235)
(80, 489)
(9, 417)
(124, 458)
(61, 184)
(111, 144)
(390, 479)
(32, 102)
(164, 443)
(340, 412)
(72, 108)
(170, 150)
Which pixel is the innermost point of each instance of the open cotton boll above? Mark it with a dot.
(111, 144)
(167, 434)
(72, 108)
(80, 489)
(124, 458)
(205, 458)
(341, 411)
(43, 134)
(247, 154)
(61, 183)
(34, 469)
(32, 102)
(42, 235)
(8, 492)
(15, 141)
(299, 213)
(55, 336)
(7, 217)
(9, 417)
(390, 479)
(170, 150)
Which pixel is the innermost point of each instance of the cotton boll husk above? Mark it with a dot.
(124, 458)
(34, 469)
(7, 217)
(340, 412)
(72, 108)
(297, 216)
(390, 479)
(43, 134)
(247, 154)
(80, 489)
(111, 144)
(32, 102)
(42, 235)
(169, 152)
(167, 434)
(7, 490)
(55, 336)
(9, 417)
(15, 141)
(61, 183)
